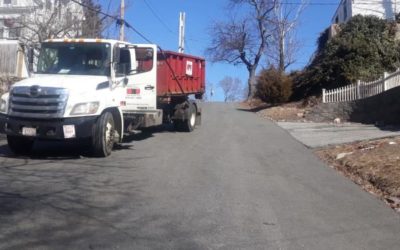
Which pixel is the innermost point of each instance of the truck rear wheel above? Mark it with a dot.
(188, 124)
(103, 136)
(20, 145)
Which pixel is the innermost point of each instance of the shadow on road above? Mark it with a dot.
(50, 150)
(77, 149)
(73, 204)
(80, 203)
(147, 133)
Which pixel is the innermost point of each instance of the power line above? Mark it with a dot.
(367, 2)
(119, 21)
(311, 3)
(158, 17)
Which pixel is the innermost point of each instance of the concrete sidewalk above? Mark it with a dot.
(315, 135)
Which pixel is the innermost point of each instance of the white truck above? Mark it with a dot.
(99, 90)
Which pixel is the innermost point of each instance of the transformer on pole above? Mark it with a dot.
(182, 17)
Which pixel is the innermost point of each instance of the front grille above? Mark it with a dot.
(38, 102)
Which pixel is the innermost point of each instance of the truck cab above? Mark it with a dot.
(93, 89)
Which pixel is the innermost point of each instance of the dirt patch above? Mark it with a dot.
(287, 112)
(374, 164)
(294, 111)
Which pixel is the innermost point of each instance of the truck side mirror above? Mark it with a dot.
(31, 54)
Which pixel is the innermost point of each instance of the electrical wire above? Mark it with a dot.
(119, 21)
(367, 2)
(158, 17)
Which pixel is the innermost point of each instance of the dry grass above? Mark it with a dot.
(286, 112)
(375, 165)
(293, 111)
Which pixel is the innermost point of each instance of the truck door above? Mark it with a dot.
(141, 87)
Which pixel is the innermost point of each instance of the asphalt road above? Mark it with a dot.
(236, 182)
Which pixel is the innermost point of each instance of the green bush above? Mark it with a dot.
(364, 48)
(273, 86)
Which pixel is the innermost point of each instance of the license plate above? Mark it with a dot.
(28, 131)
(69, 131)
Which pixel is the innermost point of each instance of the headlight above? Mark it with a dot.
(3, 105)
(85, 108)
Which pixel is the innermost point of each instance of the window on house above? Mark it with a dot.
(14, 32)
(7, 1)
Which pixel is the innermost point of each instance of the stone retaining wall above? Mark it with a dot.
(382, 109)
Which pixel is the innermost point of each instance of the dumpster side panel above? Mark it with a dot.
(185, 76)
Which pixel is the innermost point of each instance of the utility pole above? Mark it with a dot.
(182, 17)
(121, 28)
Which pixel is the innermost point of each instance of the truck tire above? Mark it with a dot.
(178, 124)
(20, 145)
(189, 124)
(103, 136)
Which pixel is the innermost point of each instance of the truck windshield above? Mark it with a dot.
(74, 59)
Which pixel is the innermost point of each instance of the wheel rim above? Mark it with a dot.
(192, 119)
(109, 136)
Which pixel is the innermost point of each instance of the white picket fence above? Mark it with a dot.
(361, 89)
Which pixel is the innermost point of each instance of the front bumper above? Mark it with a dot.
(51, 129)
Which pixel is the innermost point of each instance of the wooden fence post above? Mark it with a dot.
(385, 75)
(323, 96)
(358, 89)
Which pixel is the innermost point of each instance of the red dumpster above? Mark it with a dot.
(180, 74)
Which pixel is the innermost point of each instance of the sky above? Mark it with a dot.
(158, 21)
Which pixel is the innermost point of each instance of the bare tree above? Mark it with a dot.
(58, 19)
(282, 51)
(50, 19)
(232, 88)
(93, 25)
(243, 40)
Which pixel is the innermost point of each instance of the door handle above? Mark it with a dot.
(125, 81)
(149, 87)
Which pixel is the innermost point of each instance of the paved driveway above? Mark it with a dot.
(323, 134)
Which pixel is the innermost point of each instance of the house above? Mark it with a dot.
(10, 10)
(12, 62)
(385, 9)
(23, 22)
(37, 20)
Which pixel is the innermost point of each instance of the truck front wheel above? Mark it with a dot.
(103, 136)
(19, 144)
